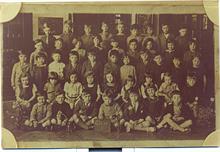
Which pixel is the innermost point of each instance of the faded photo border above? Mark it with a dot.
(177, 7)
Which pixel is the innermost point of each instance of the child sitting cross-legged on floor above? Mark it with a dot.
(178, 116)
(84, 113)
(60, 111)
(134, 115)
(110, 110)
(40, 113)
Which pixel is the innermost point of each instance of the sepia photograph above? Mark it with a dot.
(99, 78)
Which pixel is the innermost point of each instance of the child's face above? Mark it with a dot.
(40, 100)
(150, 92)
(39, 46)
(78, 44)
(96, 40)
(91, 57)
(192, 47)
(133, 97)
(87, 29)
(165, 29)
(107, 100)
(170, 46)
(104, 27)
(114, 44)
(149, 45)
(149, 30)
(56, 57)
(133, 45)
(148, 80)
(158, 59)
(22, 58)
(144, 56)
(130, 83)
(90, 79)
(190, 81)
(60, 99)
(73, 78)
(183, 32)
(176, 62)
(86, 98)
(24, 81)
(41, 60)
(53, 81)
(134, 32)
(176, 99)
(66, 28)
(196, 61)
(109, 78)
(167, 80)
(47, 31)
(73, 58)
(120, 28)
(113, 58)
(58, 44)
(126, 60)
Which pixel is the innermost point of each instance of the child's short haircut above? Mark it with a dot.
(40, 55)
(147, 75)
(107, 93)
(152, 87)
(69, 22)
(148, 40)
(23, 75)
(59, 39)
(92, 52)
(21, 52)
(53, 75)
(60, 92)
(167, 74)
(170, 41)
(191, 75)
(37, 41)
(55, 52)
(74, 53)
(192, 41)
(134, 27)
(133, 40)
(85, 92)
(164, 24)
(130, 78)
(182, 27)
(157, 54)
(41, 93)
(103, 23)
(89, 73)
(88, 25)
(114, 52)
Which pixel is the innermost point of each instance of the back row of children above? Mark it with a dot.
(134, 83)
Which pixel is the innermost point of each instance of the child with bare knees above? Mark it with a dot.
(84, 113)
(110, 110)
(40, 113)
(60, 111)
(135, 116)
(178, 116)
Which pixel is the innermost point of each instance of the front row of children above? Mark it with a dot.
(131, 113)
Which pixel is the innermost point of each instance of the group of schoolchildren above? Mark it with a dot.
(139, 82)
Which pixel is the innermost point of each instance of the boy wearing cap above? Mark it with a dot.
(19, 68)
